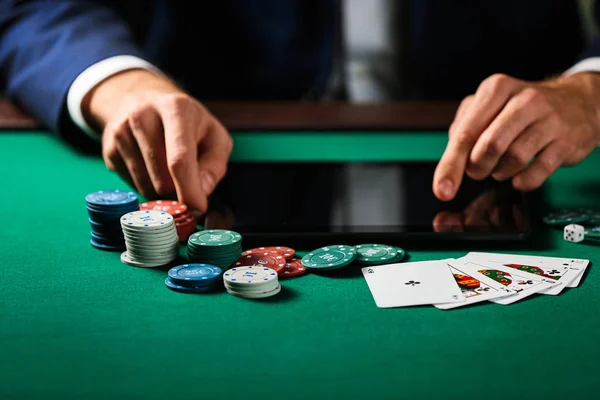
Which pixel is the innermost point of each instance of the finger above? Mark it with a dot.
(541, 168)
(520, 153)
(183, 134)
(447, 222)
(131, 155)
(146, 126)
(121, 169)
(487, 103)
(213, 156)
(519, 113)
(462, 109)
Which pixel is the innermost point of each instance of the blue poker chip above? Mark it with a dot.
(182, 289)
(195, 275)
(108, 240)
(108, 247)
(111, 198)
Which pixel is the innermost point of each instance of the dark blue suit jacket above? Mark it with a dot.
(273, 49)
(229, 49)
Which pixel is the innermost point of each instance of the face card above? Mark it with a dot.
(412, 284)
(474, 290)
(523, 286)
(567, 271)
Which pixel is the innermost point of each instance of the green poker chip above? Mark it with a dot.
(594, 219)
(217, 247)
(376, 254)
(593, 233)
(566, 217)
(215, 237)
(329, 257)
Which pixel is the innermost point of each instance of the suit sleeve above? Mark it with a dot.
(45, 45)
(589, 61)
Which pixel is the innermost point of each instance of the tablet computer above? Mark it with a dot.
(352, 202)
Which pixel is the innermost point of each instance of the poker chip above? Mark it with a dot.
(593, 233)
(216, 247)
(274, 261)
(195, 275)
(105, 209)
(566, 217)
(185, 223)
(286, 252)
(150, 238)
(292, 268)
(329, 257)
(251, 282)
(174, 208)
(109, 198)
(594, 218)
(184, 289)
(377, 254)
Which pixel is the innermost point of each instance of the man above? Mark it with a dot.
(101, 67)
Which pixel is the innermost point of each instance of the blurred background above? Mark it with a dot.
(372, 32)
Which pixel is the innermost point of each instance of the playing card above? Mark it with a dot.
(474, 290)
(568, 271)
(412, 284)
(515, 281)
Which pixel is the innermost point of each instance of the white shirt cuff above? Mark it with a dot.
(591, 64)
(91, 77)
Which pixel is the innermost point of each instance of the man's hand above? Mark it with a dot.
(159, 139)
(512, 129)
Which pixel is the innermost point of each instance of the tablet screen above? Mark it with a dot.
(359, 198)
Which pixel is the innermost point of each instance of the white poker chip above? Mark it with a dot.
(127, 259)
(150, 238)
(266, 287)
(255, 295)
(147, 219)
(152, 233)
(249, 275)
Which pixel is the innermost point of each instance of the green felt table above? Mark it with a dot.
(77, 323)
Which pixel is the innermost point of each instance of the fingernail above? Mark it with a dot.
(208, 183)
(446, 188)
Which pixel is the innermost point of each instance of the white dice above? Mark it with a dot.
(574, 233)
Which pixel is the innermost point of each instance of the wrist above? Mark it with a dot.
(102, 102)
(587, 86)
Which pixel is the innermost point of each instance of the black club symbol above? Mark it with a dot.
(526, 283)
(412, 283)
(370, 271)
(554, 272)
(487, 289)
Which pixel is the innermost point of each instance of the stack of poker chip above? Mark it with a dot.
(105, 209)
(150, 237)
(215, 247)
(278, 258)
(185, 223)
(194, 278)
(251, 282)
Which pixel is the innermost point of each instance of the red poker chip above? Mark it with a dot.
(293, 267)
(174, 208)
(185, 220)
(183, 217)
(274, 261)
(185, 229)
(286, 252)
